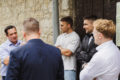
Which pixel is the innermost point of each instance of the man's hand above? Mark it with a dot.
(84, 65)
(59, 47)
(6, 61)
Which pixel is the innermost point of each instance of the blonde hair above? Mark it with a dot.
(106, 27)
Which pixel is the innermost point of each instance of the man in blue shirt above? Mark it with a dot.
(6, 47)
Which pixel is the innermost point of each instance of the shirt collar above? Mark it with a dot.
(89, 34)
(68, 33)
(10, 43)
(103, 45)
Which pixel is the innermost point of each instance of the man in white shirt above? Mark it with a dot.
(105, 64)
(67, 43)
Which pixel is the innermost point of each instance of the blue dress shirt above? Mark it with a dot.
(5, 50)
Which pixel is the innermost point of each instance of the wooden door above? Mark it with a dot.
(101, 8)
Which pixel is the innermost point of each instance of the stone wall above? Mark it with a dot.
(14, 12)
(66, 8)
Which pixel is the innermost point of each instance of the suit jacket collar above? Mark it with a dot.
(36, 41)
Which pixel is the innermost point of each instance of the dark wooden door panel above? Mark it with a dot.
(88, 7)
(78, 21)
(101, 8)
(98, 8)
(110, 9)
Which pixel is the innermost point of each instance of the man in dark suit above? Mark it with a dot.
(35, 60)
(87, 48)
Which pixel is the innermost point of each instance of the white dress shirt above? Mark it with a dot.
(69, 41)
(105, 64)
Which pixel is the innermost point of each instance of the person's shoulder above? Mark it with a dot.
(19, 49)
(19, 52)
(20, 41)
(98, 58)
(4, 44)
(62, 34)
(102, 55)
(54, 52)
(74, 35)
(52, 48)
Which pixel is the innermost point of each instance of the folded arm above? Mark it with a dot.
(64, 51)
(93, 69)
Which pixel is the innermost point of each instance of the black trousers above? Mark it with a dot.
(119, 77)
(79, 68)
(3, 77)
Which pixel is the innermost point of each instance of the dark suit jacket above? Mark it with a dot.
(85, 52)
(35, 61)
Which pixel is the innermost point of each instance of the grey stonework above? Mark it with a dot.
(14, 12)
